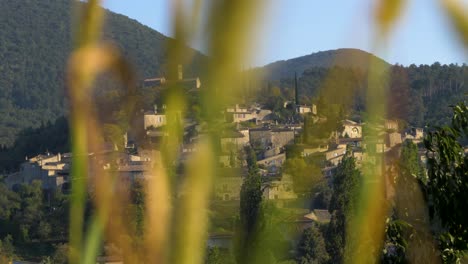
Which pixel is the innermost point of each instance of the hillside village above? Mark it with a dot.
(270, 140)
(244, 127)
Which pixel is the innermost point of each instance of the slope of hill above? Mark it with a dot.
(35, 42)
(348, 58)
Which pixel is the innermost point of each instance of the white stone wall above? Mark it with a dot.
(155, 120)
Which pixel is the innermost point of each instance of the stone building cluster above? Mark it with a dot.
(241, 126)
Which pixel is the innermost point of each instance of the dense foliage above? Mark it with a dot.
(34, 223)
(305, 176)
(311, 248)
(428, 223)
(30, 217)
(447, 184)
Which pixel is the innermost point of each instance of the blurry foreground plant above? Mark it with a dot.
(182, 241)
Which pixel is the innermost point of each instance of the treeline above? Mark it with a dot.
(31, 222)
(34, 223)
(419, 95)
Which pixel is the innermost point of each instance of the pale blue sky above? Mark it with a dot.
(292, 28)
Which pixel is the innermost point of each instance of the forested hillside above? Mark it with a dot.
(420, 95)
(35, 42)
(347, 58)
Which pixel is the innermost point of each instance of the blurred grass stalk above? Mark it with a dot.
(80, 80)
(229, 27)
(90, 59)
(366, 231)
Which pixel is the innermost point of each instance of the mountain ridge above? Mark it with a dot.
(343, 57)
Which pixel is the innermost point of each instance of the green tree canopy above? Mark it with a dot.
(311, 248)
(447, 184)
(347, 183)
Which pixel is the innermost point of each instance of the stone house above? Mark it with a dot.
(351, 129)
(227, 184)
(414, 134)
(154, 120)
(260, 137)
(271, 138)
(239, 113)
(272, 164)
(393, 139)
(52, 170)
(304, 109)
(137, 170)
(279, 189)
(233, 140)
(391, 125)
(276, 160)
(281, 137)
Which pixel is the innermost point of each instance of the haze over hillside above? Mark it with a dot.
(347, 58)
(35, 42)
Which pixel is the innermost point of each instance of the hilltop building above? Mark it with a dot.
(190, 84)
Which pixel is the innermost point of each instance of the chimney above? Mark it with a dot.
(180, 72)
